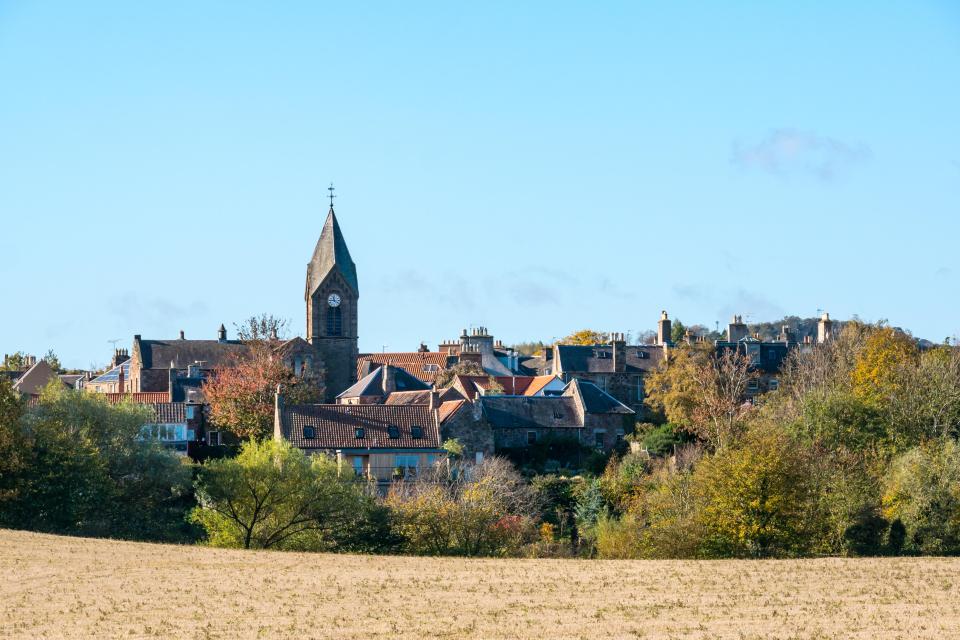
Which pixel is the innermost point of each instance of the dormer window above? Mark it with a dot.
(416, 432)
(393, 431)
(309, 432)
(431, 368)
(358, 433)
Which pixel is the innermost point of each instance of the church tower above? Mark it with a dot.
(331, 296)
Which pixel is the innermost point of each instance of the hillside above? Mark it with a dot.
(57, 587)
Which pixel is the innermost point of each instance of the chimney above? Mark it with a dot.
(663, 329)
(120, 380)
(434, 400)
(278, 414)
(389, 379)
(182, 336)
(423, 348)
(221, 334)
(736, 330)
(824, 328)
(619, 347)
(171, 383)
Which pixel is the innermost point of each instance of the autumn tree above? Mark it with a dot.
(465, 368)
(876, 376)
(703, 392)
(241, 395)
(586, 337)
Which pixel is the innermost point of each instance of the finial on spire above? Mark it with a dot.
(330, 189)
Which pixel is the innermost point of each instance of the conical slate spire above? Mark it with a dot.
(331, 254)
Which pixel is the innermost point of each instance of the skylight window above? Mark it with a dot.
(309, 432)
(393, 431)
(358, 433)
(416, 432)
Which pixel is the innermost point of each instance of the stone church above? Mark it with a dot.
(331, 295)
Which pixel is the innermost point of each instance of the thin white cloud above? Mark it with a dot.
(791, 151)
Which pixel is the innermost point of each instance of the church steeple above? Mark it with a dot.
(331, 294)
(331, 254)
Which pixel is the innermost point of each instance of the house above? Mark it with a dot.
(495, 358)
(381, 443)
(616, 368)
(175, 425)
(31, 382)
(152, 360)
(423, 365)
(500, 423)
(378, 385)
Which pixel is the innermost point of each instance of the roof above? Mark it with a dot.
(113, 375)
(574, 358)
(34, 378)
(211, 354)
(409, 397)
(595, 399)
(512, 385)
(450, 394)
(331, 254)
(335, 426)
(413, 362)
(449, 409)
(141, 397)
(520, 412)
(372, 384)
(71, 379)
(170, 412)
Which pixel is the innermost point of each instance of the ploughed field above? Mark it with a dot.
(59, 587)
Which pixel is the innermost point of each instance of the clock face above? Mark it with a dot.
(333, 300)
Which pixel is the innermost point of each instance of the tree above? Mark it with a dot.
(756, 498)
(703, 392)
(586, 337)
(877, 374)
(13, 441)
(262, 328)
(445, 378)
(15, 361)
(677, 331)
(926, 398)
(52, 360)
(483, 509)
(272, 495)
(922, 492)
(83, 470)
(241, 396)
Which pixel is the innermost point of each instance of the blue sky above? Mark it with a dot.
(532, 169)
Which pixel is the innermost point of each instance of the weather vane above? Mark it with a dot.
(330, 189)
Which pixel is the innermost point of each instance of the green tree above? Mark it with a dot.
(757, 497)
(922, 491)
(14, 446)
(52, 360)
(272, 495)
(445, 378)
(586, 337)
(678, 331)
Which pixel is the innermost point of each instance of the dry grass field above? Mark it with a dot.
(55, 587)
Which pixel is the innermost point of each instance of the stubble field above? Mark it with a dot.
(57, 587)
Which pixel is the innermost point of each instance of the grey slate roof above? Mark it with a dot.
(158, 354)
(595, 399)
(599, 358)
(335, 426)
(331, 253)
(372, 383)
(522, 412)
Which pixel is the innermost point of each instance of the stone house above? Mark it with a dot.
(378, 385)
(378, 442)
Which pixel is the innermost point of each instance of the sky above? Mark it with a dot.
(533, 169)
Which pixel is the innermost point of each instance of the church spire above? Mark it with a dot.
(330, 189)
(331, 254)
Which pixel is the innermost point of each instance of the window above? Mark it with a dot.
(773, 385)
(334, 321)
(752, 385)
(478, 457)
(416, 432)
(393, 431)
(406, 462)
(531, 437)
(309, 432)
(213, 438)
(771, 355)
(190, 413)
(358, 433)
(358, 465)
(557, 413)
(599, 439)
(430, 368)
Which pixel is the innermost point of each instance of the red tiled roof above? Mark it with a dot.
(412, 362)
(141, 397)
(512, 385)
(538, 384)
(409, 397)
(335, 425)
(449, 409)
